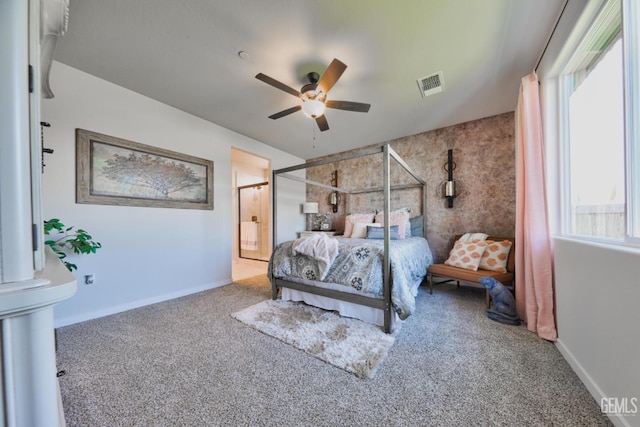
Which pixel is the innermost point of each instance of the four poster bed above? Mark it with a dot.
(374, 271)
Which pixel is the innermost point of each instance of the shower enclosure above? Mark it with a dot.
(253, 220)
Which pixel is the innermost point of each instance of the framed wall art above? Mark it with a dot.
(115, 171)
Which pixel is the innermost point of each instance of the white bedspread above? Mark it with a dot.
(320, 247)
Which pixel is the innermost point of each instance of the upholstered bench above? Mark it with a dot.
(459, 274)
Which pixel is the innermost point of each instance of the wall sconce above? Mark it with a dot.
(334, 201)
(309, 208)
(449, 188)
(334, 197)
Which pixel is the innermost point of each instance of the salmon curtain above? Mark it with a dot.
(534, 259)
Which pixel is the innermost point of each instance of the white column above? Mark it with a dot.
(28, 383)
(28, 392)
(29, 369)
(16, 249)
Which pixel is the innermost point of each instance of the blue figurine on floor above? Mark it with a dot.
(504, 305)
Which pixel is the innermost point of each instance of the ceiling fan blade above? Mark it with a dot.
(331, 75)
(285, 112)
(358, 107)
(273, 82)
(322, 123)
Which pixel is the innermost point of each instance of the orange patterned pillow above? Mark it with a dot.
(466, 254)
(495, 256)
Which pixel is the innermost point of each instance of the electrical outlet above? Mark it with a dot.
(89, 279)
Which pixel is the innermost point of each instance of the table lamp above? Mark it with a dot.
(309, 208)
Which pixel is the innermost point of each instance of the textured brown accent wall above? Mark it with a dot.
(484, 153)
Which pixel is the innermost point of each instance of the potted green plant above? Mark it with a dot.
(67, 239)
(323, 221)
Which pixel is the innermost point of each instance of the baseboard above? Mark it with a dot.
(66, 321)
(591, 385)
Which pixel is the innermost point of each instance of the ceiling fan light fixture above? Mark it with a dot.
(314, 95)
(313, 108)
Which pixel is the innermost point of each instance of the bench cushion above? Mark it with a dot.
(468, 275)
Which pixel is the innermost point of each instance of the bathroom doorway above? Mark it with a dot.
(251, 176)
(253, 217)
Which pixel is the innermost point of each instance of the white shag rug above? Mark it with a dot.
(350, 344)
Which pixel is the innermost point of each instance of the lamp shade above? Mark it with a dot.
(310, 207)
(313, 108)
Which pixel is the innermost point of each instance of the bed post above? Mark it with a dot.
(424, 210)
(387, 234)
(274, 228)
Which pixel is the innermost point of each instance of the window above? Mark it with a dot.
(596, 148)
(601, 199)
(631, 53)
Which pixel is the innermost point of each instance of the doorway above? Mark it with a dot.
(251, 198)
(253, 219)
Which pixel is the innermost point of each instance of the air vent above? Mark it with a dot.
(431, 84)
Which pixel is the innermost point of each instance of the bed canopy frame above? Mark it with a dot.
(387, 154)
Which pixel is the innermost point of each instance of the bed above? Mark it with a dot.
(372, 279)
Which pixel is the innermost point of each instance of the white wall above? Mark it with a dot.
(148, 254)
(597, 296)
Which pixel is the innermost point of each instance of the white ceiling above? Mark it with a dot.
(184, 53)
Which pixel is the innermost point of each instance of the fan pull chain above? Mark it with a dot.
(313, 125)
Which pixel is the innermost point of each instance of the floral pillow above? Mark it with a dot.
(365, 218)
(399, 218)
(466, 254)
(495, 256)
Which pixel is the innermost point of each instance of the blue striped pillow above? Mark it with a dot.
(378, 232)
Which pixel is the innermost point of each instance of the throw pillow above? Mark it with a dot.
(417, 226)
(360, 230)
(351, 219)
(399, 218)
(466, 254)
(495, 256)
(408, 210)
(377, 232)
(472, 237)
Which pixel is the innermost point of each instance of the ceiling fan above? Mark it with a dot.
(314, 95)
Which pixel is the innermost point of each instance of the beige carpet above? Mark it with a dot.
(349, 344)
(187, 362)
